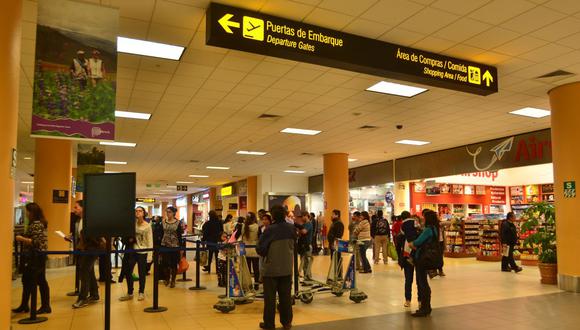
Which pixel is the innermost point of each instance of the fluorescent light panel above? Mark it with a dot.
(183, 182)
(217, 168)
(27, 182)
(531, 112)
(132, 115)
(413, 142)
(149, 48)
(294, 171)
(111, 172)
(114, 162)
(352, 159)
(300, 131)
(386, 87)
(252, 153)
(118, 144)
(198, 176)
(27, 158)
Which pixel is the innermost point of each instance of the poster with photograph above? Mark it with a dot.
(468, 190)
(457, 189)
(293, 203)
(480, 190)
(445, 188)
(90, 159)
(419, 187)
(432, 189)
(75, 71)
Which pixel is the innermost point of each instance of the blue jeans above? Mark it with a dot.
(363, 256)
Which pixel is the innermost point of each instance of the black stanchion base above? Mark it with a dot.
(155, 310)
(73, 294)
(184, 280)
(38, 319)
(195, 288)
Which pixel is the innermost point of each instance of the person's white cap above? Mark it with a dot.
(81, 52)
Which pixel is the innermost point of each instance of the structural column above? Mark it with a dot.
(336, 188)
(252, 194)
(190, 222)
(53, 171)
(212, 198)
(565, 106)
(10, 16)
(164, 206)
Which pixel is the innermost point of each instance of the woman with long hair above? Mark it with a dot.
(430, 233)
(33, 261)
(250, 237)
(143, 240)
(172, 232)
(363, 234)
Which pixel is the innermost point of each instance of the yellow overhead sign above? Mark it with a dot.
(227, 191)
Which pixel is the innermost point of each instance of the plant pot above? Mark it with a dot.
(548, 273)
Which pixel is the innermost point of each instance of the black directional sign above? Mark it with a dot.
(249, 31)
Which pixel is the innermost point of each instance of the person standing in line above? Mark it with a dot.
(509, 238)
(305, 247)
(430, 233)
(228, 225)
(266, 221)
(315, 249)
(396, 225)
(143, 240)
(250, 237)
(89, 293)
(172, 232)
(408, 234)
(335, 232)
(276, 246)
(354, 221)
(363, 234)
(212, 230)
(382, 238)
(34, 261)
(373, 222)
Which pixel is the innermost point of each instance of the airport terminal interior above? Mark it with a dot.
(420, 154)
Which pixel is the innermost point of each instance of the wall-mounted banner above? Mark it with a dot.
(90, 159)
(293, 203)
(249, 31)
(75, 74)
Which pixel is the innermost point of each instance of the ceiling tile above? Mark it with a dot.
(462, 29)
(328, 19)
(348, 7)
(498, 11)
(459, 7)
(170, 13)
(532, 20)
(366, 28)
(429, 20)
(492, 38)
(391, 12)
(288, 9)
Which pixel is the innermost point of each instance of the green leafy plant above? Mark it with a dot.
(540, 223)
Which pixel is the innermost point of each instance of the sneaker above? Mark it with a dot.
(126, 297)
(519, 269)
(141, 297)
(506, 270)
(407, 304)
(287, 326)
(81, 303)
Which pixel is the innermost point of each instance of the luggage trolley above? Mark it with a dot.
(335, 283)
(239, 289)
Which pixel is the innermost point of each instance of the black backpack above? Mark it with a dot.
(431, 256)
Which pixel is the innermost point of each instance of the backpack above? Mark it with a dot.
(382, 227)
(431, 256)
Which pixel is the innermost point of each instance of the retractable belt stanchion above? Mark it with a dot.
(184, 278)
(155, 308)
(116, 253)
(296, 275)
(33, 296)
(108, 288)
(197, 268)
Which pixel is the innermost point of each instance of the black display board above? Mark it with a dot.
(109, 205)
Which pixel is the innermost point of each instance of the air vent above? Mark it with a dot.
(557, 73)
(194, 161)
(368, 127)
(294, 166)
(269, 116)
(306, 154)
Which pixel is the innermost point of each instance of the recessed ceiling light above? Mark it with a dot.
(198, 176)
(531, 112)
(253, 153)
(217, 168)
(158, 193)
(27, 182)
(118, 144)
(413, 142)
(114, 162)
(149, 48)
(132, 115)
(352, 159)
(165, 190)
(183, 182)
(294, 171)
(111, 172)
(300, 131)
(386, 87)
(27, 158)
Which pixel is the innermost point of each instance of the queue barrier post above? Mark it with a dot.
(197, 286)
(155, 308)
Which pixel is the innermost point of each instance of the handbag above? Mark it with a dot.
(431, 256)
(392, 251)
(183, 265)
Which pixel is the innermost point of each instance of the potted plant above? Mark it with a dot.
(540, 223)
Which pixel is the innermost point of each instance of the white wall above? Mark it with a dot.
(280, 184)
(402, 197)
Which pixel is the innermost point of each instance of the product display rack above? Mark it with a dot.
(489, 245)
(459, 241)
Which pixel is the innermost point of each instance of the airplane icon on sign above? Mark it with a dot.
(252, 28)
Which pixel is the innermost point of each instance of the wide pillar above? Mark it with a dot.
(190, 222)
(53, 171)
(252, 194)
(164, 206)
(213, 198)
(336, 188)
(564, 103)
(10, 20)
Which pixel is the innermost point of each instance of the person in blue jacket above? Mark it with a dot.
(431, 232)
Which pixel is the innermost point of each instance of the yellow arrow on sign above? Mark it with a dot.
(487, 77)
(226, 23)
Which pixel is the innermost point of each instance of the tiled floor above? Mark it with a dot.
(468, 283)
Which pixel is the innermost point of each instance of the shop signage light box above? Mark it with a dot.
(227, 191)
(254, 32)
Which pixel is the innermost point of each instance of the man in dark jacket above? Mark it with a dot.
(509, 238)
(212, 230)
(335, 232)
(276, 246)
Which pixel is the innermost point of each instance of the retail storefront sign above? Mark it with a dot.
(146, 200)
(570, 189)
(254, 32)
